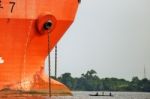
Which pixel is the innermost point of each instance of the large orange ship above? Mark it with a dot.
(24, 29)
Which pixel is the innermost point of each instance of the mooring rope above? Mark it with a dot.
(56, 62)
(49, 65)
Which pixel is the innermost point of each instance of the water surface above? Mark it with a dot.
(85, 95)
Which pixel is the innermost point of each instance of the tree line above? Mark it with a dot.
(91, 82)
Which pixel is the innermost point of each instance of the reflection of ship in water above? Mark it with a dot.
(24, 29)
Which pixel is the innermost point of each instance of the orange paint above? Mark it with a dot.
(24, 41)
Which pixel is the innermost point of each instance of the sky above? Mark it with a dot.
(110, 36)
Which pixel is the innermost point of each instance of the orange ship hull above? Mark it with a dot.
(24, 41)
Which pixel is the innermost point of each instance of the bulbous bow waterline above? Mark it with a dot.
(24, 28)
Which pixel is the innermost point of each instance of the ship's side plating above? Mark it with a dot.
(24, 41)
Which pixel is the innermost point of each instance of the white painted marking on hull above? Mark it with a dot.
(1, 60)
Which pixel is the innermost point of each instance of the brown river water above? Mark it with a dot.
(85, 95)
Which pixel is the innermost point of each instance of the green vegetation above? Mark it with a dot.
(91, 82)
